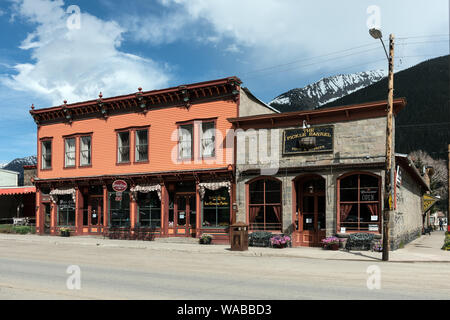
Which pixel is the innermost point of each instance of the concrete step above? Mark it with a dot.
(177, 240)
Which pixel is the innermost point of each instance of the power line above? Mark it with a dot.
(323, 61)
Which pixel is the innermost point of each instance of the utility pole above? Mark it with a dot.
(390, 159)
(448, 209)
(388, 178)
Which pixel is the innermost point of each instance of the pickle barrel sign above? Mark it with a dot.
(308, 140)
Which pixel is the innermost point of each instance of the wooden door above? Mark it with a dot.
(185, 214)
(311, 212)
(47, 218)
(95, 210)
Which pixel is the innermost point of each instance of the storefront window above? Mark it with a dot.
(216, 208)
(265, 204)
(119, 209)
(149, 208)
(66, 211)
(359, 207)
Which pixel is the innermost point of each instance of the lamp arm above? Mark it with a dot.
(384, 47)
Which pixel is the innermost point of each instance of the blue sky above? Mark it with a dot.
(118, 46)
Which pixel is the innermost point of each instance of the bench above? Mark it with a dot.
(427, 230)
(21, 221)
(259, 239)
(359, 241)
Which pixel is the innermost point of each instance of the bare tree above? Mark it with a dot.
(439, 180)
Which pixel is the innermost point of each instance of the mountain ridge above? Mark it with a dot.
(325, 91)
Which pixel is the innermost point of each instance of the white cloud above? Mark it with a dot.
(76, 64)
(271, 32)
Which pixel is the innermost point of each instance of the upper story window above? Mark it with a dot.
(141, 153)
(85, 151)
(46, 151)
(123, 146)
(69, 159)
(208, 139)
(185, 138)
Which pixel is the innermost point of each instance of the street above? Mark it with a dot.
(39, 271)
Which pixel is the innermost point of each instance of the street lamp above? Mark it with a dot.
(389, 173)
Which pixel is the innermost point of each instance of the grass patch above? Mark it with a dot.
(9, 228)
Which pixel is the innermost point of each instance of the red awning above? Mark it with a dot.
(19, 190)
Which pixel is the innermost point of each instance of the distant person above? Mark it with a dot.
(441, 225)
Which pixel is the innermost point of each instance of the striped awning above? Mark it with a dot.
(7, 191)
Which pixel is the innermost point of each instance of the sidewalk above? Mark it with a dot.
(425, 249)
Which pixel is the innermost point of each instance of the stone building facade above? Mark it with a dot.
(319, 173)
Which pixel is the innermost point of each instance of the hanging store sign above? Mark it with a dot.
(119, 186)
(428, 202)
(66, 205)
(308, 140)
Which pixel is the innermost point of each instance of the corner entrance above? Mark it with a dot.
(310, 211)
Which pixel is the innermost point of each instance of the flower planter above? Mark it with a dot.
(205, 240)
(65, 233)
(280, 241)
(333, 246)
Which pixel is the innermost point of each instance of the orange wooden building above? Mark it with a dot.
(159, 159)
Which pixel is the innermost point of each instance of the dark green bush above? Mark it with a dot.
(9, 228)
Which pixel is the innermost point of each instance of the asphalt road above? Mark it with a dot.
(39, 271)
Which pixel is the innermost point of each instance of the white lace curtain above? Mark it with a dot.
(61, 192)
(202, 186)
(147, 189)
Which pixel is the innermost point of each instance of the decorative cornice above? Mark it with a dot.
(181, 96)
(319, 116)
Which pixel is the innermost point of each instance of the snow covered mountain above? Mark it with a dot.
(325, 90)
(17, 165)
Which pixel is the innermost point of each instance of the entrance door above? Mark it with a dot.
(311, 211)
(47, 218)
(185, 215)
(95, 214)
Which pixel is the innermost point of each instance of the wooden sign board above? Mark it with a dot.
(428, 202)
(309, 140)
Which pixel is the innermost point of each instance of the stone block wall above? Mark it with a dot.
(406, 221)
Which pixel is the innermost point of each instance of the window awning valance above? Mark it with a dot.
(216, 185)
(147, 189)
(61, 192)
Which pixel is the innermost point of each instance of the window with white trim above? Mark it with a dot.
(208, 139)
(185, 134)
(46, 150)
(141, 153)
(123, 146)
(85, 151)
(69, 152)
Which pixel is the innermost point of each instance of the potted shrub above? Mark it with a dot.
(377, 246)
(205, 239)
(331, 243)
(64, 232)
(280, 241)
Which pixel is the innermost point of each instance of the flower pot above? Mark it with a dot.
(205, 240)
(333, 246)
(65, 233)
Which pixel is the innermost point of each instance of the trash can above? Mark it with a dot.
(239, 236)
